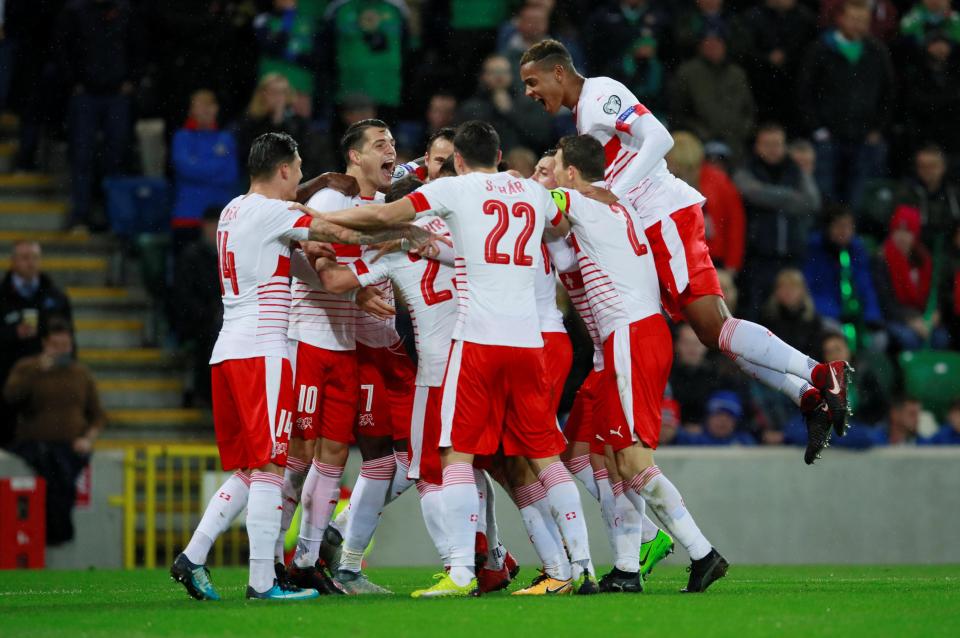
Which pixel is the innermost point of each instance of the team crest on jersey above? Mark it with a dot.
(305, 423)
(612, 106)
(279, 449)
(365, 420)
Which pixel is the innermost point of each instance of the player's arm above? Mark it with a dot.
(339, 182)
(645, 135)
(374, 216)
(323, 230)
(558, 225)
(335, 278)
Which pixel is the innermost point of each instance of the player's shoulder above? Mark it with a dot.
(605, 96)
(328, 199)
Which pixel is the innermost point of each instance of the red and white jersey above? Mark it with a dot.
(619, 275)
(253, 257)
(373, 332)
(545, 287)
(497, 222)
(429, 290)
(573, 282)
(606, 110)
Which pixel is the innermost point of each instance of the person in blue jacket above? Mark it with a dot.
(724, 412)
(205, 167)
(949, 432)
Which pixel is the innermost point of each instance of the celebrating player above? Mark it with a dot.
(634, 144)
(495, 390)
(621, 286)
(251, 373)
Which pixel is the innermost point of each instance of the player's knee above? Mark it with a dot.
(332, 452)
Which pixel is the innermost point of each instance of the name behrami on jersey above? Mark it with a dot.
(253, 258)
(619, 275)
(606, 111)
(497, 222)
(428, 288)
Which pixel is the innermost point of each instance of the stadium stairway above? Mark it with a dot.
(141, 385)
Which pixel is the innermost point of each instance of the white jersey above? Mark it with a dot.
(606, 110)
(429, 290)
(371, 331)
(496, 221)
(545, 286)
(253, 257)
(619, 276)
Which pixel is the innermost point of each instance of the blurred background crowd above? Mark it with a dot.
(824, 135)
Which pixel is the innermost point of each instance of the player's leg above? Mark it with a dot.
(431, 506)
(400, 378)
(425, 465)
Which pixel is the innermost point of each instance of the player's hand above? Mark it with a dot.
(315, 250)
(419, 239)
(83, 445)
(601, 195)
(371, 301)
(341, 183)
(303, 208)
(386, 248)
(323, 263)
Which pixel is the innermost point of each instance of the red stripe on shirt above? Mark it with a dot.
(420, 203)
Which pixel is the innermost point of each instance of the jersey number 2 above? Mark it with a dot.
(491, 247)
(228, 266)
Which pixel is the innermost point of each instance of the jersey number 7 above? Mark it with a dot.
(228, 266)
(491, 247)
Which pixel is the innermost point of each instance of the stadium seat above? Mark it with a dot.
(137, 205)
(932, 376)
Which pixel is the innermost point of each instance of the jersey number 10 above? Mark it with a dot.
(491, 247)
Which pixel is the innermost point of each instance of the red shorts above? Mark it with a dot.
(326, 388)
(585, 415)
(637, 362)
(558, 358)
(494, 394)
(387, 378)
(683, 262)
(252, 411)
(424, 449)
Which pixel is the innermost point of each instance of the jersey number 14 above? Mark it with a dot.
(228, 265)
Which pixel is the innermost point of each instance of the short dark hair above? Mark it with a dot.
(548, 52)
(833, 211)
(550, 152)
(402, 187)
(477, 143)
(585, 153)
(770, 127)
(447, 133)
(54, 325)
(268, 152)
(352, 139)
(448, 169)
(931, 148)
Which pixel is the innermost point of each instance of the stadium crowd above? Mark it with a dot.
(822, 134)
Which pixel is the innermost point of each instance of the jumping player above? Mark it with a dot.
(635, 144)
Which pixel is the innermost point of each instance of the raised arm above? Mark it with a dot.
(651, 141)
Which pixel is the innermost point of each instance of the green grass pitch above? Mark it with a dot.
(752, 601)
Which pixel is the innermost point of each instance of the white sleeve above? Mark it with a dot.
(370, 274)
(285, 224)
(328, 201)
(651, 140)
(301, 269)
(434, 198)
(446, 255)
(562, 254)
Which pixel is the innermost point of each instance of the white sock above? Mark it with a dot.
(340, 521)
(568, 511)
(664, 499)
(224, 506)
(366, 504)
(531, 500)
(648, 529)
(580, 467)
(496, 552)
(482, 497)
(431, 505)
(790, 385)
(758, 345)
(608, 508)
(263, 524)
(293, 478)
(400, 483)
(461, 509)
(629, 523)
(321, 492)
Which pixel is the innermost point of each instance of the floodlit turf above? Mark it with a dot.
(762, 601)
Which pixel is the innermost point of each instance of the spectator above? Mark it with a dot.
(931, 95)
(904, 277)
(949, 290)
(441, 113)
(790, 314)
(723, 216)
(696, 374)
(532, 26)
(771, 39)
(724, 413)
(867, 396)
(838, 272)
(612, 31)
(198, 308)
(690, 25)
(927, 16)
(781, 201)
(60, 417)
(98, 46)
(519, 121)
(711, 96)
(902, 424)
(884, 17)
(270, 110)
(949, 432)
(367, 42)
(845, 93)
(937, 199)
(804, 156)
(287, 38)
(522, 160)
(205, 164)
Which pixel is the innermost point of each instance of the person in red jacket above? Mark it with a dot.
(723, 214)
